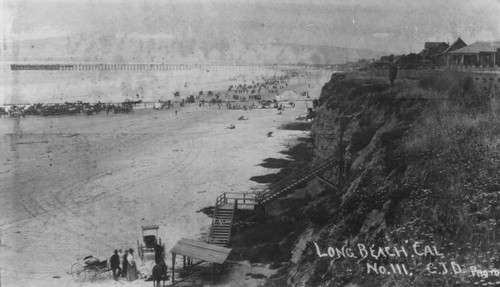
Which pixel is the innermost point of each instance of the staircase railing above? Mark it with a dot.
(266, 195)
(219, 201)
(241, 198)
(292, 180)
(215, 231)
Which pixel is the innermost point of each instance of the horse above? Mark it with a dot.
(159, 273)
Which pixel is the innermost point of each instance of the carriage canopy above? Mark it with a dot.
(150, 227)
(150, 235)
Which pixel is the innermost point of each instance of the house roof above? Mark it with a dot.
(433, 48)
(200, 250)
(433, 45)
(451, 48)
(456, 42)
(479, 46)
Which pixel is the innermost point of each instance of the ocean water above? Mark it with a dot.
(28, 87)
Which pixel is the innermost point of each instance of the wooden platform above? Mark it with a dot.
(200, 250)
(227, 206)
(246, 206)
(192, 249)
(229, 202)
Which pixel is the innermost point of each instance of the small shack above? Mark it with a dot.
(193, 249)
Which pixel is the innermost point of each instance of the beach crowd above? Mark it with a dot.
(235, 97)
(123, 265)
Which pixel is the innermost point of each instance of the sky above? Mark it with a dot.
(235, 29)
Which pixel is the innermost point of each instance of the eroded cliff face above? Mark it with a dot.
(415, 185)
(361, 122)
(412, 198)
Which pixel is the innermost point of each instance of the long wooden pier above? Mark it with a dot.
(152, 67)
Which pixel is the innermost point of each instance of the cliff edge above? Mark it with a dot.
(414, 193)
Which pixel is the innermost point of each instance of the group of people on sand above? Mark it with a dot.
(123, 264)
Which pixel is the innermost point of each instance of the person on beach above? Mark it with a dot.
(131, 268)
(125, 264)
(158, 253)
(115, 265)
(120, 257)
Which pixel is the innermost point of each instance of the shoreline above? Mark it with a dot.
(98, 173)
(117, 86)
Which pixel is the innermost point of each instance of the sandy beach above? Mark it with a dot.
(75, 186)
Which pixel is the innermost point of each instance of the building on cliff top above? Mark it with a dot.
(480, 53)
(431, 49)
(444, 58)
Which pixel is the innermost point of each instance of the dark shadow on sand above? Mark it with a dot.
(297, 126)
(299, 155)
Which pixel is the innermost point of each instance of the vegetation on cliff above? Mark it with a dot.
(416, 165)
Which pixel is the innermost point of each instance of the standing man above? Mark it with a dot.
(393, 72)
(115, 265)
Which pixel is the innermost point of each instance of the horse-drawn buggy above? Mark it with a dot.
(91, 270)
(152, 243)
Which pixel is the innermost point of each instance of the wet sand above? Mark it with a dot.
(74, 186)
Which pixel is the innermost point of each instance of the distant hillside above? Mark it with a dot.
(133, 48)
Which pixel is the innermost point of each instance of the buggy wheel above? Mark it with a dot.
(92, 273)
(78, 272)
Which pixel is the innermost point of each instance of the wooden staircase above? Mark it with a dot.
(227, 203)
(222, 222)
(290, 182)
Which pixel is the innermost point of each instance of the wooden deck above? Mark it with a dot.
(228, 202)
(200, 250)
(192, 249)
(226, 206)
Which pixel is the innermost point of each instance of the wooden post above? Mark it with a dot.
(260, 211)
(213, 274)
(173, 268)
(183, 261)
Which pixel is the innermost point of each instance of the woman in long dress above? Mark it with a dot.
(125, 264)
(131, 268)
